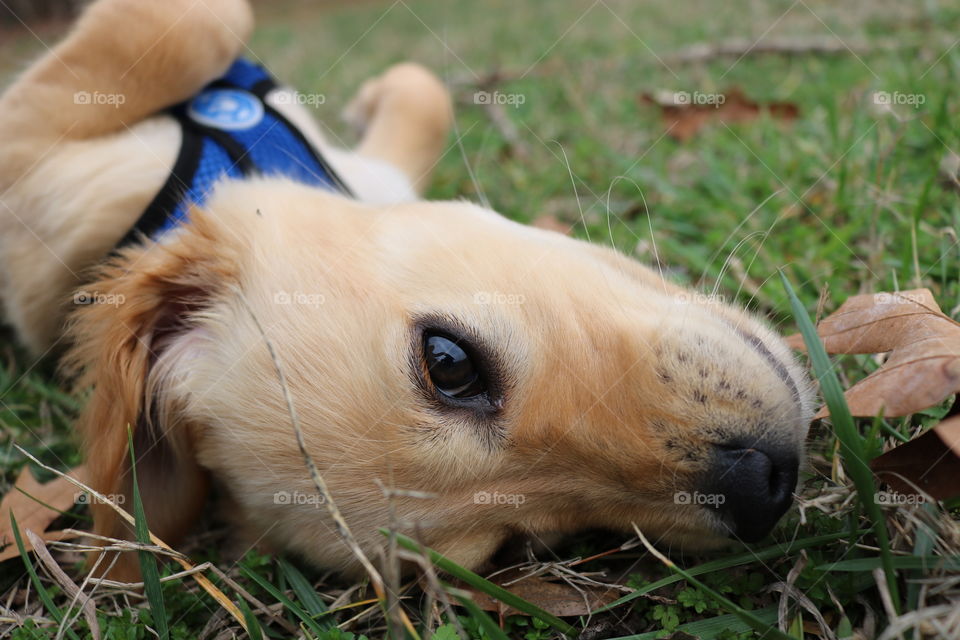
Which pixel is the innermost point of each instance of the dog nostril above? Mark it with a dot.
(756, 483)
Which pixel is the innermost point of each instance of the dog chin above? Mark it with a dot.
(704, 540)
(712, 537)
(706, 533)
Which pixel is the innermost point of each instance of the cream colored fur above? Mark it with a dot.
(617, 382)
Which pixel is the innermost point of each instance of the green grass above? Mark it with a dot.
(846, 199)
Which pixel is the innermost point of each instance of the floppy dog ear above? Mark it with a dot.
(129, 342)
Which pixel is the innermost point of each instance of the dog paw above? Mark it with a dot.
(359, 111)
(406, 83)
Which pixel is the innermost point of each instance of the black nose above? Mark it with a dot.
(756, 482)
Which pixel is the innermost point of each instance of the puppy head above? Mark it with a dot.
(528, 382)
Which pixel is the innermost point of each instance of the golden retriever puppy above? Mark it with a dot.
(529, 382)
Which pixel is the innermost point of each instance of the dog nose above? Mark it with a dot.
(756, 483)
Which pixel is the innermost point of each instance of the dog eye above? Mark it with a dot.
(451, 368)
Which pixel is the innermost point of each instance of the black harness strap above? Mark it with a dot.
(194, 135)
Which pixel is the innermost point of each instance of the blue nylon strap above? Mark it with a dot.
(244, 74)
(231, 132)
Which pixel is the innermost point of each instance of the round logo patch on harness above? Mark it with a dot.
(228, 109)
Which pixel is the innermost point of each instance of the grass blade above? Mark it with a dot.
(851, 442)
(32, 571)
(712, 627)
(775, 551)
(748, 617)
(148, 562)
(253, 625)
(294, 608)
(926, 563)
(924, 542)
(306, 594)
(199, 578)
(482, 584)
(78, 516)
(485, 622)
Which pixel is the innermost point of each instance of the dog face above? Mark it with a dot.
(502, 379)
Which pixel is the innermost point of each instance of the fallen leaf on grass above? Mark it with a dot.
(684, 113)
(35, 506)
(557, 598)
(930, 462)
(922, 368)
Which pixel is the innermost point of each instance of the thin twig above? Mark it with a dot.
(69, 586)
(343, 529)
(341, 525)
(201, 579)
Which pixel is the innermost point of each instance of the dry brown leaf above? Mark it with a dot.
(11, 551)
(557, 598)
(31, 514)
(922, 368)
(685, 113)
(930, 462)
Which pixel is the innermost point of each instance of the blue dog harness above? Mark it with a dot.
(229, 131)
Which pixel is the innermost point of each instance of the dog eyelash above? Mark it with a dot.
(484, 406)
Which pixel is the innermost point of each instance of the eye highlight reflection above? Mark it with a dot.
(451, 368)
